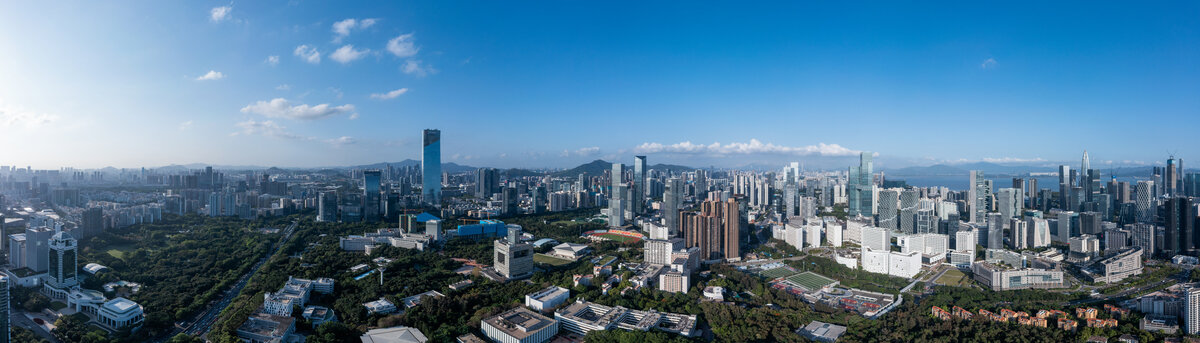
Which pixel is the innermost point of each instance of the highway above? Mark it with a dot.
(203, 321)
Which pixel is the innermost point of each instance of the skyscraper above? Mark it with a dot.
(487, 180)
(908, 210)
(859, 187)
(371, 196)
(1179, 236)
(670, 205)
(1008, 203)
(1145, 201)
(327, 206)
(5, 309)
(431, 167)
(639, 184)
(889, 201)
(978, 197)
(1084, 167)
(1172, 178)
(63, 267)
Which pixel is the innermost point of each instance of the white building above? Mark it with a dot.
(1085, 244)
(519, 325)
(965, 241)
(120, 313)
(1191, 311)
(1039, 232)
(833, 233)
(547, 299)
(904, 265)
(381, 306)
(876, 238)
(658, 251)
(924, 243)
(812, 236)
(398, 334)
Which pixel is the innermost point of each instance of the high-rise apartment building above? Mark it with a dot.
(716, 229)
(487, 182)
(888, 211)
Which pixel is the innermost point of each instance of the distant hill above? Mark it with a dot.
(593, 168)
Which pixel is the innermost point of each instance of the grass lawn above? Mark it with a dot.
(618, 238)
(119, 251)
(58, 305)
(547, 259)
(953, 277)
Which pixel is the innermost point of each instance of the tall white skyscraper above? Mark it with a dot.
(978, 196)
(431, 167)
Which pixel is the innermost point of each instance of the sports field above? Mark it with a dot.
(618, 238)
(811, 281)
(775, 273)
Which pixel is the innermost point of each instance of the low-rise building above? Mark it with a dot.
(547, 299)
(714, 293)
(571, 251)
(262, 327)
(582, 317)
(519, 325)
(1117, 267)
(398, 334)
(1001, 277)
(319, 315)
(381, 306)
(821, 331)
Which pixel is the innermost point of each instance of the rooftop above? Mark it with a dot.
(519, 322)
(398, 334)
(822, 331)
(121, 305)
(549, 293)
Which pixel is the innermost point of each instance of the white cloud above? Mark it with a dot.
(988, 63)
(185, 125)
(211, 75)
(280, 108)
(340, 141)
(752, 147)
(308, 54)
(273, 60)
(266, 128)
(389, 95)
(403, 46)
(347, 54)
(414, 67)
(342, 28)
(16, 117)
(283, 87)
(219, 14)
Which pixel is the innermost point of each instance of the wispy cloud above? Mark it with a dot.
(308, 54)
(281, 108)
(18, 117)
(588, 151)
(988, 63)
(347, 54)
(270, 128)
(219, 14)
(389, 95)
(211, 75)
(415, 67)
(403, 46)
(340, 141)
(266, 128)
(747, 148)
(273, 60)
(342, 28)
(184, 126)
(283, 87)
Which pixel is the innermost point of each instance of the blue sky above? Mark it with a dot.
(553, 84)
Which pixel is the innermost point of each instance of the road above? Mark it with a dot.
(1176, 278)
(204, 320)
(17, 318)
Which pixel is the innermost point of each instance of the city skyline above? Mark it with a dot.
(306, 85)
